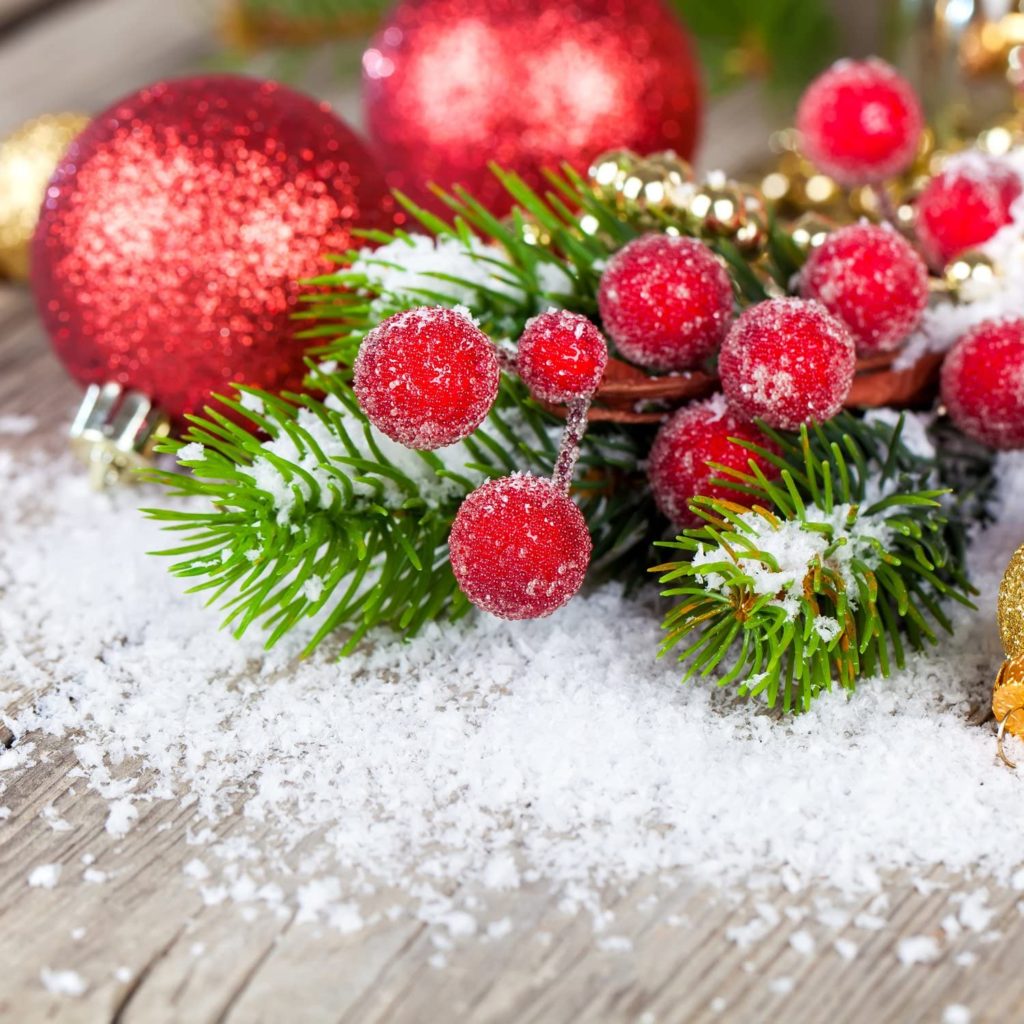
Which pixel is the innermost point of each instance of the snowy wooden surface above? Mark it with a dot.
(154, 952)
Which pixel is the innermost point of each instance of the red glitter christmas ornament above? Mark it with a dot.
(965, 205)
(665, 301)
(176, 230)
(694, 436)
(562, 356)
(426, 377)
(531, 83)
(873, 280)
(983, 383)
(860, 122)
(519, 547)
(787, 362)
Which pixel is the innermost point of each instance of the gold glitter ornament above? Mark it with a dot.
(28, 158)
(810, 230)
(1010, 607)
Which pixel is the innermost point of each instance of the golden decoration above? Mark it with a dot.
(1010, 608)
(809, 230)
(249, 26)
(28, 158)
(971, 276)
(658, 192)
(1008, 704)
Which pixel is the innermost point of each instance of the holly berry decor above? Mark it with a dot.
(499, 409)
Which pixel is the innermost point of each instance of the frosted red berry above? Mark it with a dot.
(871, 279)
(519, 547)
(860, 122)
(426, 377)
(562, 356)
(787, 362)
(666, 302)
(983, 383)
(965, 205)
(694, 436)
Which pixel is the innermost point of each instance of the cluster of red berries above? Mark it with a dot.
(427, 378)
(861, 123)
(519, 545)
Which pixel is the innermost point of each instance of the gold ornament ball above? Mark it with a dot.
(1008, 696)
(971, 276)
(1010, 608)
(28, 158)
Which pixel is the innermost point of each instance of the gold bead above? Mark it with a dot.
(971, 276)
(729, 210)
(1010, 608)
(810, 230)
(28, 158)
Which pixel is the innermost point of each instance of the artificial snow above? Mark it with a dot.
(487, 755)
(63, 983)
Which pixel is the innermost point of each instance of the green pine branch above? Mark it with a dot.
(841, 562)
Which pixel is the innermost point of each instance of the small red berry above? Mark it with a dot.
(519, 547)
(694, 436)
(965, 205)
(426, 377)
(983, 383)
(860, 122)
(788, 362)
(873, 280)
(562, 356)
(665, 302)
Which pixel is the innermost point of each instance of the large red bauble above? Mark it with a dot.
(176, 230)
(453, 84)
(983, 383)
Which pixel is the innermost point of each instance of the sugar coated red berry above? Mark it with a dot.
(860, 122)
(965, 205)
(666, 302)
(788, 362)
(983, 383)
(562, 356)
(426, 377)
(873, 280)
(691, 438)
(519, 547)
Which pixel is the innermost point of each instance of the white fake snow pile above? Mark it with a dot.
(484, 755)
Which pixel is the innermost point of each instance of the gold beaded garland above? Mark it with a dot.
(28, 158)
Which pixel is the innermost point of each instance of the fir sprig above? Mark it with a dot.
(830, 568)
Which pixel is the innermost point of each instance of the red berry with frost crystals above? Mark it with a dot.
(519, 547)
(665, 302)
(873, 280)
(562, 356)
(787, 361)
(426, 377)
(965, 205)
(860, 122)
(694, 436)
(983, 383)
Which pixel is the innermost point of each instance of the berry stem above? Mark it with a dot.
(885, 206)
(506, 359)
(569, 449)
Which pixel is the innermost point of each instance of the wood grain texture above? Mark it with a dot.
(189, 962)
